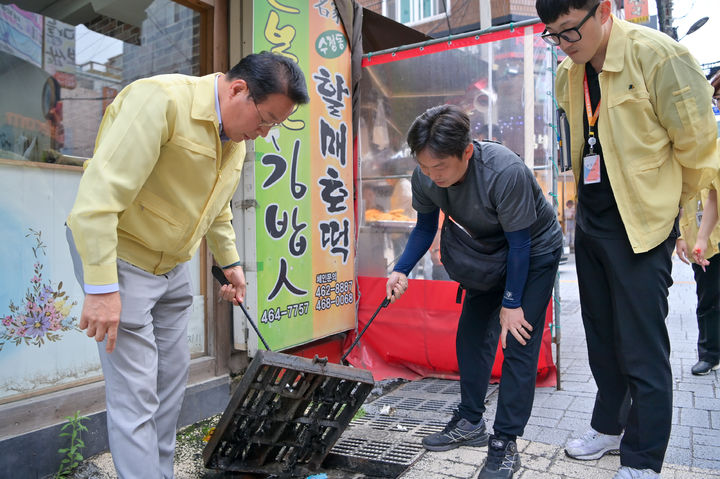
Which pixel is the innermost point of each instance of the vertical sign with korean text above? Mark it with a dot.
(303, 173)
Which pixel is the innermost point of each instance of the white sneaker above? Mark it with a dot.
(593, 445)
(631, 473)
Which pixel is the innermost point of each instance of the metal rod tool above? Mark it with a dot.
(220, 276)
(384, 304)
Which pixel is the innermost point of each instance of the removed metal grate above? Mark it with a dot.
(286, 415)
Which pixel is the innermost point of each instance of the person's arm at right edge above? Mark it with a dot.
(419, 242)
(131, 134)
(707, 224)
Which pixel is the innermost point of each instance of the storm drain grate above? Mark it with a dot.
(397, 453)
(415, 427)
(372, 457)
(435, 405)
(417, 404)
(385, 423)
(429, 428)
(286, 415)
(437, 386)
(387, 439)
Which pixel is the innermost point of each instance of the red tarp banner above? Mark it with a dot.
(415, 336)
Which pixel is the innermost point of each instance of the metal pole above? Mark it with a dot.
(555, 299)
(665, 18)
(485, 14)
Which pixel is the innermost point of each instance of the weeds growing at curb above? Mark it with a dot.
(359, 413)
(73, 456)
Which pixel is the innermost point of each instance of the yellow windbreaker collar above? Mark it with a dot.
(203, 106)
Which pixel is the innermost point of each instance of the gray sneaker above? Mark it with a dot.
(458, 432)
(631, 473)
(593, 445)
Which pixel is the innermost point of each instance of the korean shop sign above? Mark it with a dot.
(303, 173)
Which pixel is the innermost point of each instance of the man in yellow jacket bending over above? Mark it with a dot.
(642, 139)
(167, 160)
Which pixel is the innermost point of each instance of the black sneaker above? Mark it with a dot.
(458, 432)
(502, 460)
(703, 367)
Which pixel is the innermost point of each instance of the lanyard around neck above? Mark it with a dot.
(592, 117)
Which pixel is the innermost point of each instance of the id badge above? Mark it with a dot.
(591, 169)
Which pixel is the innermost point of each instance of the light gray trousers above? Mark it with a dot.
(146, 374)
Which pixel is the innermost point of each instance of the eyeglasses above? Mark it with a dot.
(263, 123)
(570, 35)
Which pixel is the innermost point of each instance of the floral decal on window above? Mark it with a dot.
(45, 311)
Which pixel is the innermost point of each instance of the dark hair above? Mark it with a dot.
(444, 130)
(550, 10)
(267, 73)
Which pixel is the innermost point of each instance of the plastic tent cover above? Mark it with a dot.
(504, 81)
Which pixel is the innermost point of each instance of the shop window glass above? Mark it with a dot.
(58, 78)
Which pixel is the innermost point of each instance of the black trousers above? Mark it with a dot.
(624, 303)
(708, 310)
(476, 343)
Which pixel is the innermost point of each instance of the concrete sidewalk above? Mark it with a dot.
(694, 450)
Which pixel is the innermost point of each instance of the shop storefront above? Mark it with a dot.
(316, 211)
(60, 68)
(293, 214)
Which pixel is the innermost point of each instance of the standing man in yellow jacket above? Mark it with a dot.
(707, 278)
(642, 143)
(167, 160)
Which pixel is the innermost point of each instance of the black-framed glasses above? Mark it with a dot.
(571, 35)
(263, 123)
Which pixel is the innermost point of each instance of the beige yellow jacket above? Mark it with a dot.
(656, 127)
(159, 180)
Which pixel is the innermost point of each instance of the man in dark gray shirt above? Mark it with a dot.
(488, 195)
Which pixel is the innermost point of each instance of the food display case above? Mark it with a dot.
(387, 216)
